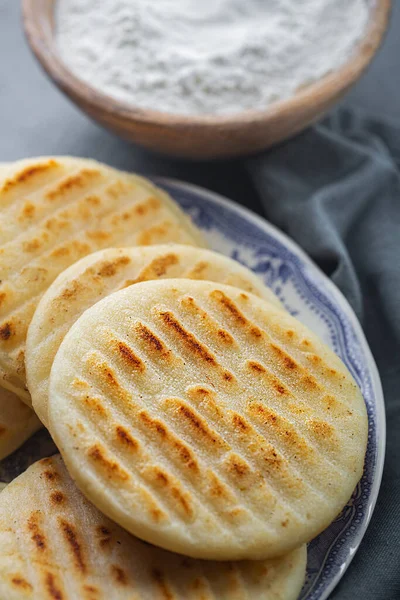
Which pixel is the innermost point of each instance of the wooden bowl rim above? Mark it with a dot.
(316, 93)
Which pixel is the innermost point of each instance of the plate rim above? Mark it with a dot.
(345, 306)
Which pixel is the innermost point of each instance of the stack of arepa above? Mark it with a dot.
(205, 435)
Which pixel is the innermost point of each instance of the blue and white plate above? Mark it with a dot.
(309, 295)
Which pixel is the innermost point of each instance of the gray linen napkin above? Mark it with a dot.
(335, 189)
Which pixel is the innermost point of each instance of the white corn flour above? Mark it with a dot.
(206, 56)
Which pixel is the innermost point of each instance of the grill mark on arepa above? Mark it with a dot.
(105, 538)
(52, 585)
(158, 267)
(243, 477)
(323, 434)
(119, 575)
(50, 475)
(140, 209)
(211, 326)
(193, 345)
(36, 534)
(129, 357)
(200, 586)
(257, 368)
(156, 346)
(119, 187)
(124, 436)
(236, 580)
(205, 397)
(21, 583)
(66, 528)
(111, 469)
(170, 487)
(182, 453)
(189, 340)
(73, 544)
(163, 233)
(43, 557)
(161, 582)
(102, 367)
(211, 588)
(57, 498)
(109, 268)
(230, 309)
(7, 330)
(91, 592)
(289, 365)
(198, 270)
(98, 366)
(26, 212)
(196, 424)
(74, 182)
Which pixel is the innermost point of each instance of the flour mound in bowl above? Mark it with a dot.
(209, 57)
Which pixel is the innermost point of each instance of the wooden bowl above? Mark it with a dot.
(202, 137)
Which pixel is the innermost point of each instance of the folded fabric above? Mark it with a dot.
(335, 189)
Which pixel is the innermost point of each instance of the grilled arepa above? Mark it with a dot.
(54, 211)
(98, 275)
(205, 420)
(17, 422)
(54, 544)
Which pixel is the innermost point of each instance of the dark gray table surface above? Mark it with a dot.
(36, 119)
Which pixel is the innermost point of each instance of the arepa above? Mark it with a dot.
(17, 423)
(54, 211)
(55, 545)
(98, 275)
(205, 420)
